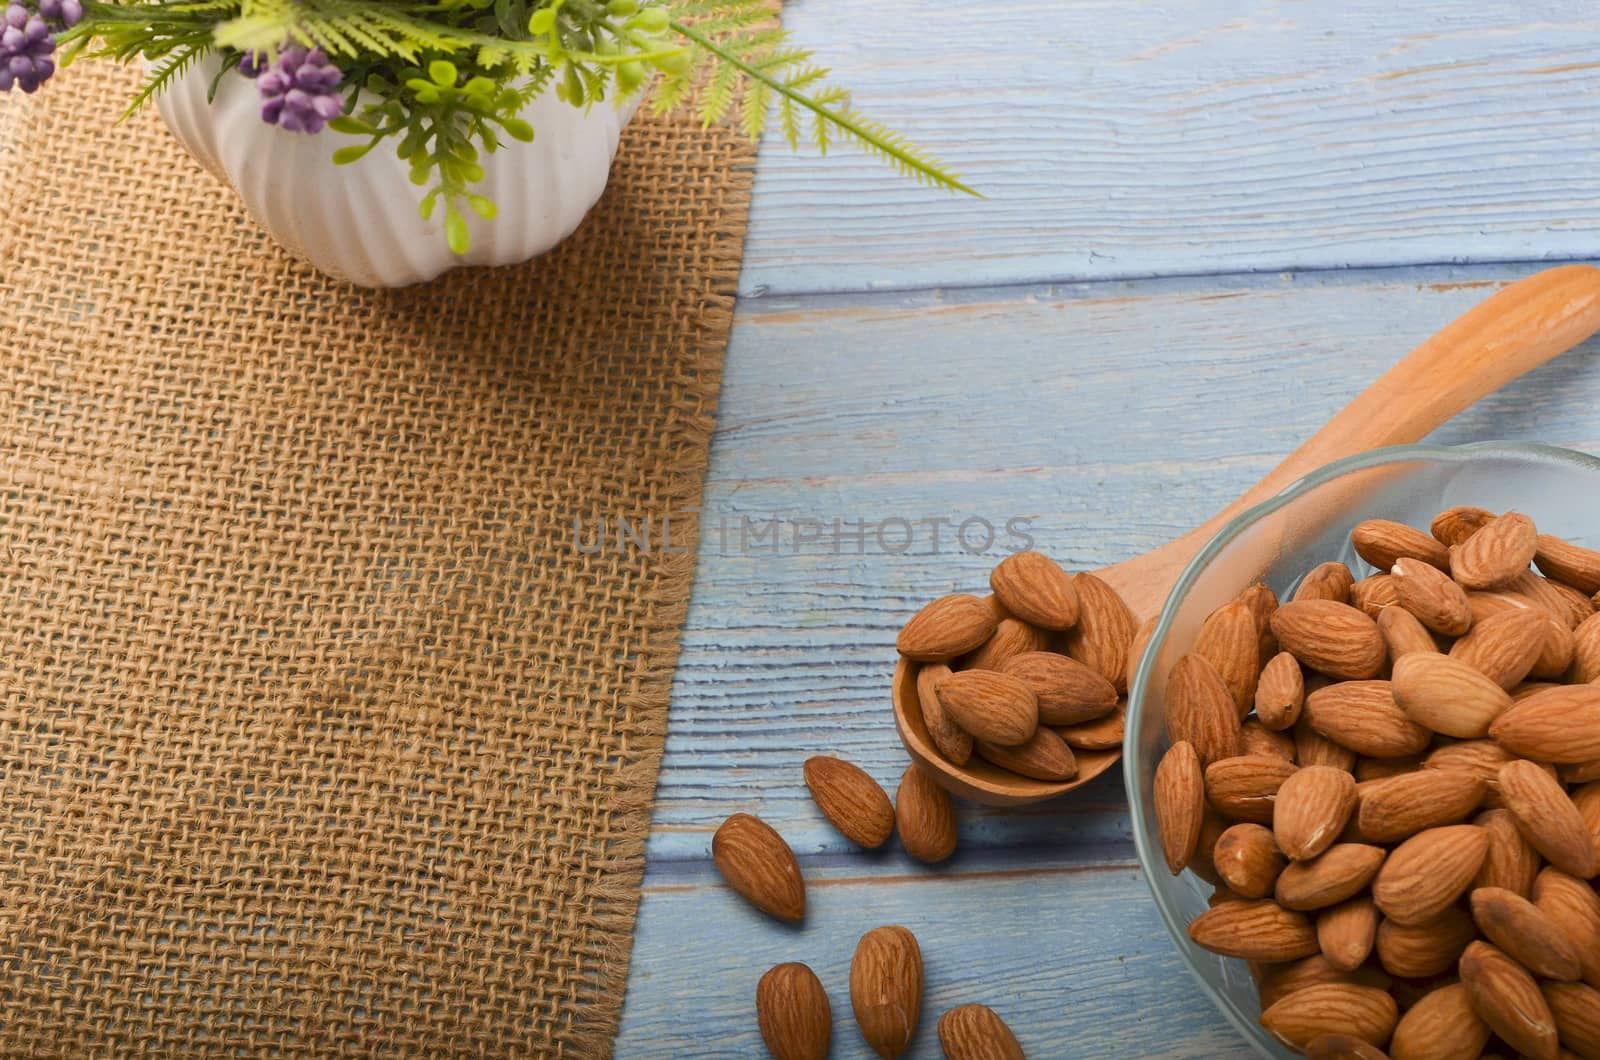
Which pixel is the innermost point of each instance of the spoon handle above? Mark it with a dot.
(1508, 334)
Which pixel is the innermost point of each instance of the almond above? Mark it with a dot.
(1278, 981)
(1104, 631)
(1511, 863)
(994, 707)
(1426, 874)
(1565, 562)
(947, 627)
(1363, 716)
(1340, 872)
(1068, 692)
(1573, 904)
(1228, 640)
(1402, 806)
(1248, 860)
(1281, 692)
(1497, 554)
(1311, 748)
(1440, 1026)
(886, 989)
(1329, 1008)
(1331, 637)
(1556, 725)
(1312, 806)
(1418, 951)
(1263, 603)
(1101, 734)
(1011, 637)
(1342, 1047)
(793, 1013)
(1528, 936)
(1504, 647)
(851, 799)
(1506, 998)
(759, 866)
(1565, 603)
(1257, 931)
(1581, 772)
(1430, 595)
(1346, 932)
(954, 742)
(1044, 757)
(1481, 758)
(1382, 541)
(1404, 633)
(1212, 825)
(1372, 595)
(1586, 651)
(1455, 525)
(1447, 696)
(1200, 709)
(1245, 787)
(1555, 655)
(1179, 795)
(974, 1032)
(1326, 581)
(926, 819)
(1587, 799)
(1548, 818)
(1576, 1009)
(1386, 768)
(1256, 739)
(1033, 587)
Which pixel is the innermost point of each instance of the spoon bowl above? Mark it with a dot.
(1507, 335)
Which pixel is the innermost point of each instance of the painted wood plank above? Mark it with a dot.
(1161, 402)
(1070, 983)
(1117, 140)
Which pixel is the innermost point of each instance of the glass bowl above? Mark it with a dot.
(1276, 542)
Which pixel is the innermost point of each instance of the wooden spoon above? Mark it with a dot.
(1512, 332)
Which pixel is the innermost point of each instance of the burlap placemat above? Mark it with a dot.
(317, 734)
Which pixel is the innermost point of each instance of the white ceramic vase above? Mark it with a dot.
(360, 222)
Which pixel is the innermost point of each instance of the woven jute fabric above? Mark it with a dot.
(318, 735)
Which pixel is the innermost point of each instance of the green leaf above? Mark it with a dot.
(352, 126)
(456, 232)
(443, 73)
(483, 206)
(355, 153)
(518, 129)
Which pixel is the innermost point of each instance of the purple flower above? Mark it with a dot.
(28, 42)
(299, 92)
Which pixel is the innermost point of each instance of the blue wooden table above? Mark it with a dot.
(1207, 227)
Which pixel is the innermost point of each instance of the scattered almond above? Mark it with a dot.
(1361, 1011)
(849, 797)
(1573, 904)
(1261, 930)
(1339, 873)
(1263, 602)
(1565, 562)
(1363, 716)
(1447, 696)
(1427, 948)
(1402, 806)
(1311, 748)
(1372, 594)
(1011, 637)
(886, 989)
(1559, 724)
(1245, 787)
(1504, 647)
(1576, 1009)
(1404, 633)
(1045, 756)
(1347, 932)
(1526, 934)
(1342, 1047)
(949, 626)
(994, 707)
(793, 1012)
(1101, 734)
(1511, 863)
(975, 1032)
(1497, 554)
(1548, 818)
(926, 819)
(759, 866)
(1586, 651)
(1228, 639)
(1033, 587)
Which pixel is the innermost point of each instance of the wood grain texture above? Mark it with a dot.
(1115, 415)
(1070, 990)
(1123, 140)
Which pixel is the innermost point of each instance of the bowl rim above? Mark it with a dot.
(1150, 861)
